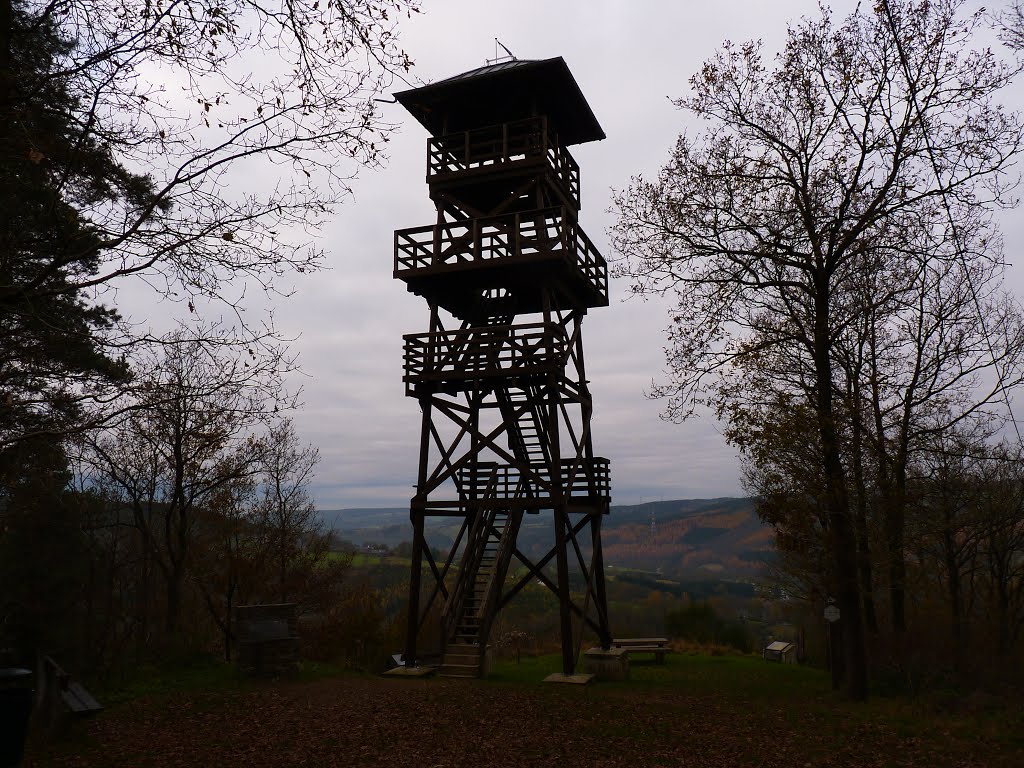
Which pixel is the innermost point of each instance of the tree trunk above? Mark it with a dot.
(895, 523)
(866, 575)
(6, 30)
(861, 521)
(1001, 575)
(953, 588)
(172, 615)
(228, 622)
(844, 544)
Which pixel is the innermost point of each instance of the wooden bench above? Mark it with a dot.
(656, 645)
(62, 698)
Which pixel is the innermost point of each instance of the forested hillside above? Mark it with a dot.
(692, 537)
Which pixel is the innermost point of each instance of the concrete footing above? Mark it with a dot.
(612, 664)
(410, 672)
(558, 677)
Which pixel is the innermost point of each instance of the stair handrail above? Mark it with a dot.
(506, 546)
(454, 607)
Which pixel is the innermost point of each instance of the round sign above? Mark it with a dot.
(831, 614)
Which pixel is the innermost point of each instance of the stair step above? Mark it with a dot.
(454, 657)
(461, 664)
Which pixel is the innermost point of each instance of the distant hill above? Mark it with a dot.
(716, 538)
(381, 525)
(713, 537)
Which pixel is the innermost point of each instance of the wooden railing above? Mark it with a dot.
(492, 595)
(495, 145)
(493, 350)
(502, 481)
(545, 232)
(455, 606)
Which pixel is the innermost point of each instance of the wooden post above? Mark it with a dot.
(564, 610)
(601, 598)
(412, 630)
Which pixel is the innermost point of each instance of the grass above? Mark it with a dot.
(199, 673)
(749, 676)
(749, 681)
(176, 676)
(364, 560)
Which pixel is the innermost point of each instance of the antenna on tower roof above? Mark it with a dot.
(498, 57)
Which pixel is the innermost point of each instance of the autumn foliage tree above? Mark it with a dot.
(189, 436)
(868, 140)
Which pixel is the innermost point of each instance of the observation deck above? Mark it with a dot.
(452, 361)
(483, 166)
(586, 483)
(523, 253)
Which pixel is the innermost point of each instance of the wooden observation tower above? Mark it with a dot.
(508, 275)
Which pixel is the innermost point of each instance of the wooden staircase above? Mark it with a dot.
(474, 601)
(464, 652)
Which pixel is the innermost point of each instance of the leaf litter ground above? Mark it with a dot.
(679, 715)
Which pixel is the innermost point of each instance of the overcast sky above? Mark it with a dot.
(629, 59)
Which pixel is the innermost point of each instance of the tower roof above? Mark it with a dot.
(504, 92)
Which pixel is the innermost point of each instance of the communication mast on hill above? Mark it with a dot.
(508, 276)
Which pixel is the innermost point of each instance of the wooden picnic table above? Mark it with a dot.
(656, 645)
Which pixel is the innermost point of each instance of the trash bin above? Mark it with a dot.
(15, 708)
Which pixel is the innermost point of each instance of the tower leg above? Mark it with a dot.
(564, 610)
(412, 630)
(597, 572)
(416, 515)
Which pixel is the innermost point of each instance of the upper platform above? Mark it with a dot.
(503, 93)
(487, 165)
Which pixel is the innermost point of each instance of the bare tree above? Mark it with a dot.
(287, 510)
(1001, 530)
(940, 360)
(196, 92)
(763, 226)
(1009, 22)
(230, 553)
(194, 145)
(190, 438)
